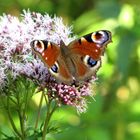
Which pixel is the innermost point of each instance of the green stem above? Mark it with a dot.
(48, 117)
(46, 122)
(10, 118)
(39, 110)
(21, 117)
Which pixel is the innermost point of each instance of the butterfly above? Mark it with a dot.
(78, 60)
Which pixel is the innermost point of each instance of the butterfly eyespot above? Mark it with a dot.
(101, 37)
(98, 35)
(38, 46)
(89, 61)
(54, 68)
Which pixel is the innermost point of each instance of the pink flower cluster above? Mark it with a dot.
(17, 59)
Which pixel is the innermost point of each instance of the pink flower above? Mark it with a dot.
(17, 59)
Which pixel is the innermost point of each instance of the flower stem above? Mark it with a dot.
(39, 110)
(46, 122)
(21, 109)
(10, 118)
(48, 117)
(21, 120)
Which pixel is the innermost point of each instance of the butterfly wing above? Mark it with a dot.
(92, 44)
(47, 51)
(51, 55)
(77, 61)
(86, 53)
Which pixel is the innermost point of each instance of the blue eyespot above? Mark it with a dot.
(91, 62)
(54, 68)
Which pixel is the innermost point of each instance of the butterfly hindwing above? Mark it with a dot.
(61, 72)
(84, 66)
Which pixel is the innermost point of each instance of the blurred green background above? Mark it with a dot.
(116, 113)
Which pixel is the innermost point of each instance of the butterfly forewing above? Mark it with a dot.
(46, 50)
(92, 44)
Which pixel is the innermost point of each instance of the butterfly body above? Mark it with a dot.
(77, 61)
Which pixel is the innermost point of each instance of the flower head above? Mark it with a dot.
(17, 58)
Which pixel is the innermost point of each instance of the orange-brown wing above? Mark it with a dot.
(85, 67)
(50, 54)
(86, 53)
(61, 72)
(92, 44)
(47, 51)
